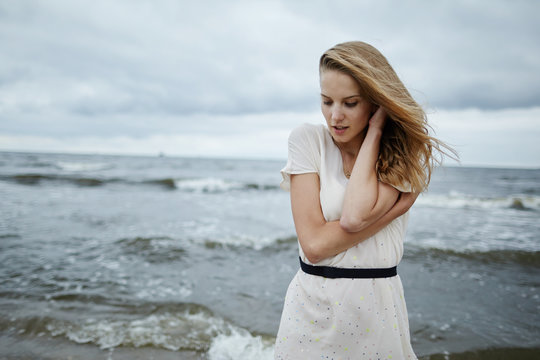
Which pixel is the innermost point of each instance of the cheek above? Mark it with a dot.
(325, 112)
(361, 118)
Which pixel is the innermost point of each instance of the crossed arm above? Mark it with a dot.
(321, 239)
(366, 198)
(368, 207)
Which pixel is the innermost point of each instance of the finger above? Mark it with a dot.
(378, 118)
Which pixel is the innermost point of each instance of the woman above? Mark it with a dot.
(352, 183)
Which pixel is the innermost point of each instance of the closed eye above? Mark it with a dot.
(351, 104)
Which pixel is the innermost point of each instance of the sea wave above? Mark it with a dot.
(196, 185)
(239, 344)
(208, 185)
(172, 327)
(37, 179)
(162, 248)
(217, 185)
(171, 331)
(251, 242)
(460, 200)
(153, 249)
(520, 257)
(82, 166)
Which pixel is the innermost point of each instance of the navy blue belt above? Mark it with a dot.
(349, 273)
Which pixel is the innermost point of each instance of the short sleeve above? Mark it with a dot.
(304, 154)
(405, 187)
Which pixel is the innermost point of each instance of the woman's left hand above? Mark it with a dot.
(378, 119)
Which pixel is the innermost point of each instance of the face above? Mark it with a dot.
(346, 112)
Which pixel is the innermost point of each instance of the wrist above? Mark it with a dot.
(374, 133)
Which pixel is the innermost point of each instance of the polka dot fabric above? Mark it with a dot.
(342, 319)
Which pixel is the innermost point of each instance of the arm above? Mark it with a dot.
(320, 239)
(367, 199)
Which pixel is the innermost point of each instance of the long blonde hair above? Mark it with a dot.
(406, 157)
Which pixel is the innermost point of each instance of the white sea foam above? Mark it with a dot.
(242, 241)
(459, 200)
(81, 166)
(239, 344)
(199, 331)
(207, 185)
(168, 331)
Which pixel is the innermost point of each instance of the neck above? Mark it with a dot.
(351, 148)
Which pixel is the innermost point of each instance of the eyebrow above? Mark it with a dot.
(345, 98)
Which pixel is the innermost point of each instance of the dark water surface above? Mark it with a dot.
(106, 257)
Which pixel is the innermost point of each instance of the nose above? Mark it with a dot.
(337, 113)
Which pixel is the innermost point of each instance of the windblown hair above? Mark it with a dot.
(406, 156)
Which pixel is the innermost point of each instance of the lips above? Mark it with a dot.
(340, 130)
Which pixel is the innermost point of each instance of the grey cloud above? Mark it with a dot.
(132, 67)
(181, 68)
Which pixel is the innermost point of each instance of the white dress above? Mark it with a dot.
(342, 318)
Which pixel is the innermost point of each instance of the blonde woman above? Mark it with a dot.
(351, 184)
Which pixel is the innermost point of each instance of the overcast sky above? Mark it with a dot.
(232, 78)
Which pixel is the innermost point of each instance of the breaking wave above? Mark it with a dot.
(162, 248)
(172, 327)
(208, 185)
(256, 243)
(239, 344)
(82, 166)
(459, 200)
(37, 179)
(153, 249)
(520, 257)
(196, 185)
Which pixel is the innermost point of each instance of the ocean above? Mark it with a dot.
(125, 257)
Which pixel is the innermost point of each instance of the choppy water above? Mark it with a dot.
(105, 257)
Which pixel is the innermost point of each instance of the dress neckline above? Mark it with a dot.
(341, 176)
